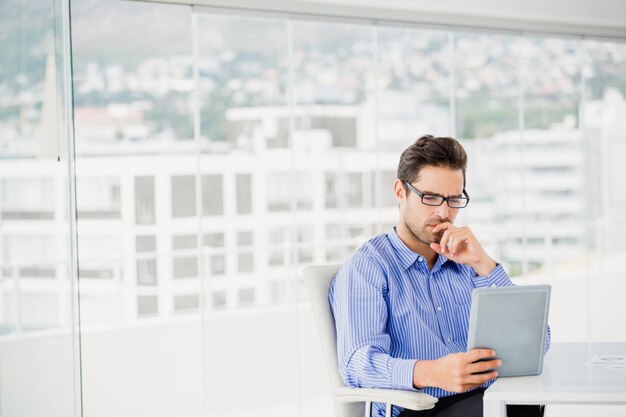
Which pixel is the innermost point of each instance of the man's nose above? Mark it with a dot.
(443, 211)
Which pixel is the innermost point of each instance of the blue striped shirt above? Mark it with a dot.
(391, 310)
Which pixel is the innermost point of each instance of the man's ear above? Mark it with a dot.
(398, 191)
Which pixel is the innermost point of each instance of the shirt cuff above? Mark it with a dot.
(496, 278)
(402, 374)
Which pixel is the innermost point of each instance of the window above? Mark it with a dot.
(27, 199)
(144, 200)
(183, 196)
(217, 265)
(29, 256)
(213, 240)
(245, 238)
(146, 272)
(100, 256)
(245, 262)
(279, 251)
(354, 190)
(246, 297)
(98, 198)
(145, 243)
(306, 239)
(385, 190)
(185, 267)
(218, 299)
(186, 303)
(331, 188)
(147, 305)
(244, 193)
(278, 292)
(286, 188)
(212, 195)
(184, 242)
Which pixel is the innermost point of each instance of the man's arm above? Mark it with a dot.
(357, 297)
(460, 245)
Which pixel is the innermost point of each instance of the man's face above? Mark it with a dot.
(420, 219)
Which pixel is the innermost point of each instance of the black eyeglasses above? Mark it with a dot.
(437, 200)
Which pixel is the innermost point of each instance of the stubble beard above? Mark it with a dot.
(423, 234)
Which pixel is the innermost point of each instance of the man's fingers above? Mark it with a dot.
(476, 354)
(484, 366)
(444, 241)
(481, 379)
(457, 239)
(436, 247)
(442, 226)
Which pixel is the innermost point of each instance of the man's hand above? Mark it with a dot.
(454, 372)
(460, 245)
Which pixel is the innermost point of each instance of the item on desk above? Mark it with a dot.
(609, 361)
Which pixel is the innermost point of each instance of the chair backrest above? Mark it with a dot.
(317, 279)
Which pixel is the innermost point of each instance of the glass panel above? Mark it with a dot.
(136, 170)
(487, 103)
(602, 121)
(37, 353)
(334, 145)
(486, 75)
(549, 201)
(244, 134)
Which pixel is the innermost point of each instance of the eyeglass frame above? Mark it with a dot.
(446, 199)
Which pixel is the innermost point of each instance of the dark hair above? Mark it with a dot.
(431, 151)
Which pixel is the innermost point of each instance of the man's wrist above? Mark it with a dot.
(421, 374)
(484, 268)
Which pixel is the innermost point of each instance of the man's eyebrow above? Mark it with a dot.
(440, 195)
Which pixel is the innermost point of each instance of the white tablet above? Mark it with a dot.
(512, 321)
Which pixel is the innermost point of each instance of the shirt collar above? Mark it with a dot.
(406, 257)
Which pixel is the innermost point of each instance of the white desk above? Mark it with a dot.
(566, 379)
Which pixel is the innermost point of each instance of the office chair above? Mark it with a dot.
(348, 401)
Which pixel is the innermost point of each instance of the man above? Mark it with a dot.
(402, 301)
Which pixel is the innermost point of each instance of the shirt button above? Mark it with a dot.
(419, 258)
(438, 308)
(449, 340)
(493, 285)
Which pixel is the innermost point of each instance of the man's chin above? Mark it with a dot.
(435, 237)
(428, 238)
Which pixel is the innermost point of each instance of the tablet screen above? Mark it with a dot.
(513, 322)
